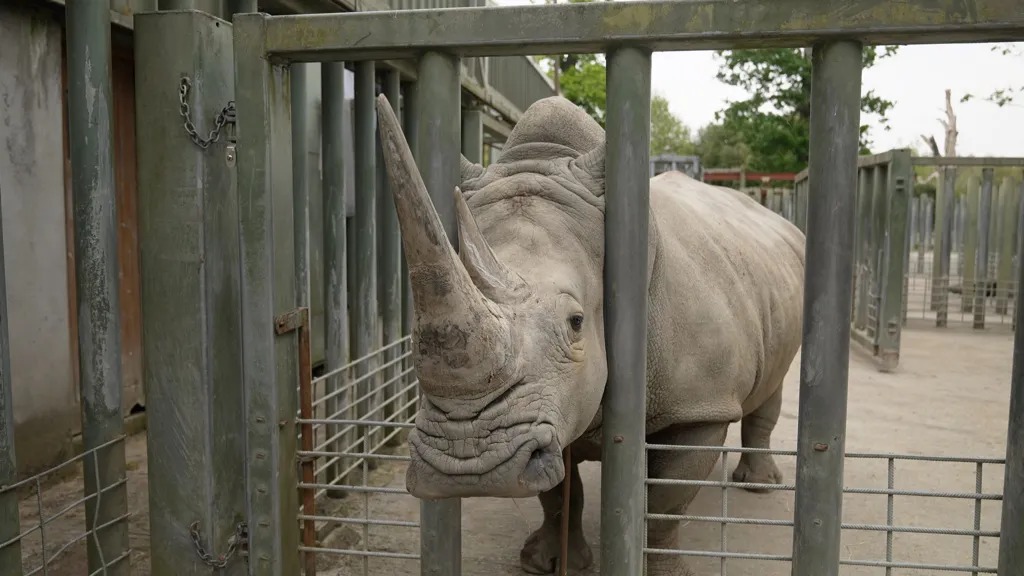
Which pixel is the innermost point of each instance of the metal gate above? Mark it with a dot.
(265, 47)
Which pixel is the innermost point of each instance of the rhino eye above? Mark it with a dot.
(576, 321)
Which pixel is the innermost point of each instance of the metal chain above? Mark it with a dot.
(233, 543)
(225, 116)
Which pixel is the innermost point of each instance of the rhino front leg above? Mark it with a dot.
(541, 550)
(756, 432)
(663, 499)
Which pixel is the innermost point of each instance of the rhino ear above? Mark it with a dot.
(589, 168)
(470, 169)
(491, 277)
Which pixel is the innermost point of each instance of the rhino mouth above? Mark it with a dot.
(483, 457)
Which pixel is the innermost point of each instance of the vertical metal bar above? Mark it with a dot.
(301, 126)
(473, 135)
(981, 275)
(627, 209)
(10, 526)
(978, 484)
(890, 324)
(438, 129)
(269, 360)
(970, 245)
(824, 363)
(876, 253)
(1011, 536)
(891, 485)
(191, 304)
(306, 412)
(90, 133)
(929, 226)
(410, 125)
(862, 247)
(943, 224)
(1007, 241)
(390, 269)
(336, 346)
(364, 306)
(923, 211)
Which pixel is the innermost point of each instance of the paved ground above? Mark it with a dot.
(948, 398)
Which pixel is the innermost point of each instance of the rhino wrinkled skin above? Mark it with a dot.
(509, 333)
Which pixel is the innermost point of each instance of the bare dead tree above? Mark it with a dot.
(951, 134)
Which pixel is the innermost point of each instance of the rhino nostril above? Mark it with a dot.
(537, 454)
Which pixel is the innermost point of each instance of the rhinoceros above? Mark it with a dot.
(508, 337)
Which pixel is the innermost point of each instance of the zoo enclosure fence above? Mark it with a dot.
(265, 46)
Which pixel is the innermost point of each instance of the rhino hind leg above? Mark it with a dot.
(539, 554)
(756, 432)
(662, 499)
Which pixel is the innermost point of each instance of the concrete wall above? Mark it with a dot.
(32, 196)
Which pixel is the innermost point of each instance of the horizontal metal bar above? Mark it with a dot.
(349, 488)
(361, 521)
(711, 554)
(369, 553)
(857, 527)
(68, 462)
(849, 455)
(656, 25)
(783, 558)
(994, 162)
(324, 453)
(916, 566)
(791, 487)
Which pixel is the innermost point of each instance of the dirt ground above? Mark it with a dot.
(949, 397)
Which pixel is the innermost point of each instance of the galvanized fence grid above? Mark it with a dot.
(359, 414)
(266, 46)
(968, 545)
(54, 531)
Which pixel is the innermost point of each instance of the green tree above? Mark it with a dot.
(774, 121)
(718, 147)
(1009, 93)
(668, 134)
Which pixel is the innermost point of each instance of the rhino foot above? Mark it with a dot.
(760, 469)
(542, 548)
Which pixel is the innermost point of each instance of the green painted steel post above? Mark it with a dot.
(390, 273)
(627, 209)
(824, 363)
(900, 179)
(473, 135)
(409, 127)
(10, 525)
(301, 127)
(191, 304)
(876, 255)
(1007, 241)
(438, 135)
(91, 136)
(862, 246)
(929, 226)
(336, 339)
(981, 271)
(269, 360)
(943, 244)
(1011, 534)
(970, 246)
(213, 7)
(364, 305)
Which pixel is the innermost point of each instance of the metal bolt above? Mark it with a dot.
(617, 439)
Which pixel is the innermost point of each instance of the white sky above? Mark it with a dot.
(914, 79)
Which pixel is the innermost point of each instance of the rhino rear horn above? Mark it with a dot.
(488, 273)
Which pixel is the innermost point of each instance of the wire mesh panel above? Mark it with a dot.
(361, 416)
(889, 514)
(54, 531)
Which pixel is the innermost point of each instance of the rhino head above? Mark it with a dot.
(508, 339)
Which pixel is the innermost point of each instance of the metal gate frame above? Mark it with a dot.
(627, 33)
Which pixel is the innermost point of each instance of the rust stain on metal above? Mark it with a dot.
(821, 447)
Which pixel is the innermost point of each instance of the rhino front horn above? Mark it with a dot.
(458, 330)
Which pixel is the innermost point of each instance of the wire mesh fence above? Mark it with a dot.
(918, 515)
(963, 299)
(55, 534)
(361, 413)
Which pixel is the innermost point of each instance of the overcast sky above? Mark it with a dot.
(914, 79)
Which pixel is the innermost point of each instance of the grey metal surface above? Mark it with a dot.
(1007, 242)
(10, 525)
(943, 241)
(188, 234)
(661, 25)
(1011, 541)
(334, 239)
(627, 211)
(981, 269)
(437, 147)
(389, 260)
(269, 361)
(302, 124)
(473, 135)
(864, 223)
(365, 326)
(994, 162)
(90, 137)
(896, 255)
(824, 362)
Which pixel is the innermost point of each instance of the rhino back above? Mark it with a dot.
(726, 302)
